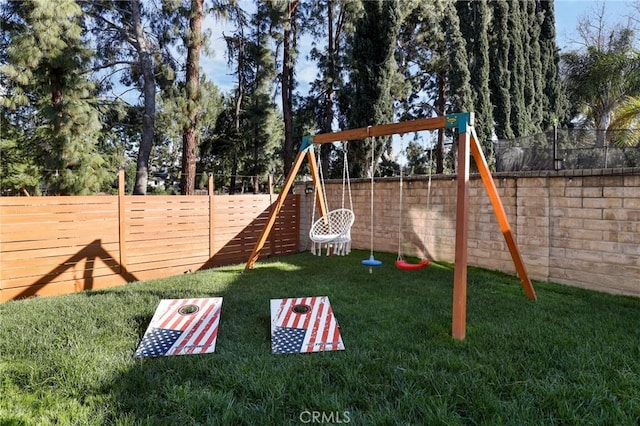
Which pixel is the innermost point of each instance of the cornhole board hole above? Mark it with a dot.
(182, 327)
(304, 324)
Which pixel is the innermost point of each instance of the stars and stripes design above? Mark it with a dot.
(304, 324)
(182, 327)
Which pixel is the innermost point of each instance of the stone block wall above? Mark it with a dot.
(573, 227)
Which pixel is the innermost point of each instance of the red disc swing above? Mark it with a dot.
(401, 263)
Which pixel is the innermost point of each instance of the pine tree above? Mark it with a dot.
(263, 130)
(331, 23)
(289, 38)
(122, 35)
(193, 40)
(47, 68)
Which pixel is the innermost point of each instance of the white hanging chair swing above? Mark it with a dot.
(333, 231)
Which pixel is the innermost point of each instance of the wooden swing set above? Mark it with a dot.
(467, 145)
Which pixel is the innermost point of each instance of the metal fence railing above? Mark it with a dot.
(567, 149)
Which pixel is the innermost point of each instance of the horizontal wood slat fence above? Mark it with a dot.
(59, 245)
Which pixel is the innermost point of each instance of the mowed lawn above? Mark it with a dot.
(572, 357)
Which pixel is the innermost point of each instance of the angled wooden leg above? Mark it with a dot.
(501, 216)
(313, 168)
(253, 258)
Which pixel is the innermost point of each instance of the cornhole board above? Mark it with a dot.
(303, 325)
(182, 327)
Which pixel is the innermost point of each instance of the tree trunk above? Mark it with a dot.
(328, 114)
(190, 132)
(287, 89)
(601, 131)
(149, 91)
(441, 111)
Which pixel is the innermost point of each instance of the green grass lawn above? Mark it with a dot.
(572, 357)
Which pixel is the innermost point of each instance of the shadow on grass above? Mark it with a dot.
(242, 382)
(571, 357)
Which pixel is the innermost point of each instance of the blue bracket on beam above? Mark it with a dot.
(307, 143)
(460, 121)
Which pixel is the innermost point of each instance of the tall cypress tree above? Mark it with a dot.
(533, 83)
(374, 67)
(518, 65)
(474, 25)
(459, 91)
(554, 100)
(500, 81)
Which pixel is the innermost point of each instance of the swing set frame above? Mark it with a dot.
(467, 145)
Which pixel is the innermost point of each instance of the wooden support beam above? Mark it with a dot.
(383, 130)
(286, 187)
(319, 189)
(459, 315)
(501, 215)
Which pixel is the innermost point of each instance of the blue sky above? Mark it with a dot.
(569, 12)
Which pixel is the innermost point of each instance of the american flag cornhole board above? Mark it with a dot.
(182, 327)
(304, 324)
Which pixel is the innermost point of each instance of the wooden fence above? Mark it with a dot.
(58, 245)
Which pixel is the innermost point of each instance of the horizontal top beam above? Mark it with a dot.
(392, 128)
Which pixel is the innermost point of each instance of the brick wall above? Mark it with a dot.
(573, 227)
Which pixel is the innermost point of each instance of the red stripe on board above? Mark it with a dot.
(327, 326)
(287, 311)
(177, 321)
(214, 334)
(195, 328)
(307, 319)
(316, 325)
(336, 336)
(167, 315)
(300, 317)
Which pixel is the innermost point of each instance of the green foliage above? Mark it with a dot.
(419, 161)
(500, 81)
(46, 74)
(372, 75)
(554, 101)
(571, 357)
(247, 134)
(627, 117)
(19, 170)
(474, 25)
(598, 82)
(459, 97)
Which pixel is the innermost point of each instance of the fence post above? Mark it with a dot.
(272, 237)
(211, 227)
(122, 243)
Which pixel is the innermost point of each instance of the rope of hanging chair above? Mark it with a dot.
(334, 229)
(345, 176)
